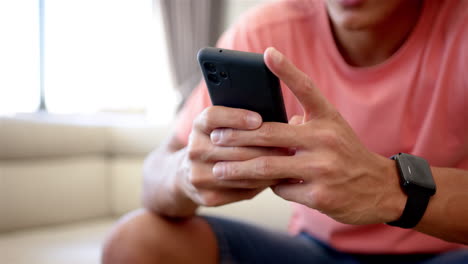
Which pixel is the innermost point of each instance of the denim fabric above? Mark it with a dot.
(243, 243)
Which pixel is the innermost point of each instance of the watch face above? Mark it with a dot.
(416, 171)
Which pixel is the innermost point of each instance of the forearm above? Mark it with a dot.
(447, 214)
(162, 193)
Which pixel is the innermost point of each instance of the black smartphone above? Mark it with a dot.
(242, 80)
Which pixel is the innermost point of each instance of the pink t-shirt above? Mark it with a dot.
(415, 102)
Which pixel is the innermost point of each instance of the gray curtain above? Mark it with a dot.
(190, 25)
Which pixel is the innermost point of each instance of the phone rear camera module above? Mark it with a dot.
(213, 78)
(223, 75)
(210, 67)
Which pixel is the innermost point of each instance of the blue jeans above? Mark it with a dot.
(244, 243)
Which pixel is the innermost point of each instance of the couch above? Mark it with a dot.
(64, 180)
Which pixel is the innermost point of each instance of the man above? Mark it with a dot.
(364, 80)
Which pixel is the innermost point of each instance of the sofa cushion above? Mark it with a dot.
(130, 141)
(49, 191)
(32, 138)
(125, 189)
(266, 209)
(77, 243)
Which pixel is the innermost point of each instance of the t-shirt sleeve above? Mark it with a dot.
(196, 103)
(238, 37)
(464, 87)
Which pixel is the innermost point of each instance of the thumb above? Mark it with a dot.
(311, 99)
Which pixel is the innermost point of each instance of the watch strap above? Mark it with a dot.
(414, 210)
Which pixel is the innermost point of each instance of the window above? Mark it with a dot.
(99, 55)
(19, 56)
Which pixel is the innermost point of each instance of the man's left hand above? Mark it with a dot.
(329, 169)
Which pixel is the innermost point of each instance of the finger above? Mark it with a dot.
(294, 192)
(224, 196)
(219, 116)
(200, 148)
(270, 134)
(296, 120)
(219, 153)
(311, 99)
(262, 168)
(202, 177)
(247, 184)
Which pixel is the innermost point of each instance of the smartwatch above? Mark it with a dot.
(418, 184)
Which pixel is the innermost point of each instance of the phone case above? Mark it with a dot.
(242, 80)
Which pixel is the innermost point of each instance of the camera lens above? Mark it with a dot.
(223, 75)
(213, 78)
(210, 67)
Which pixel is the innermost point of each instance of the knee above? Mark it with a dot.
(145, 237)
(133, 239)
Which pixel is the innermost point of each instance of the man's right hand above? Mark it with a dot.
(195, 176)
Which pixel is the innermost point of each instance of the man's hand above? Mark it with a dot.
(195, 178)
(331, 170)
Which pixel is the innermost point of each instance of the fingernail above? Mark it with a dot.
(253, 120)
(218, 170)
(215, 136)
(276, 56)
